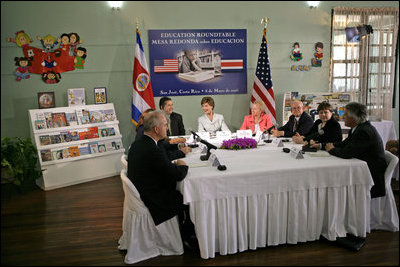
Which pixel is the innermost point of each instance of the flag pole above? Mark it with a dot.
(265, 21)
(137, 24)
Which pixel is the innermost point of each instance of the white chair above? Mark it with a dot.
(124, 161)
(384, 214)
(140, 236)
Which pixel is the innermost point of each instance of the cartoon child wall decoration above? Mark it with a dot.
(49, 43)
(21, 39)
(22, 72)
(74, 40)
(51, 77)
(318, 55)
(296, 54)
(80, 58)
(64, 43)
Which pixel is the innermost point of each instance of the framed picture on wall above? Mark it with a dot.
(100, 95)
(46, 100)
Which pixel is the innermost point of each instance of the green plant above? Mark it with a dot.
(19, 161)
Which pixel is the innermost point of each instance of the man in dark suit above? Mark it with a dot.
(153, 174)
(364, 143)
(176, 126)
(299, 122)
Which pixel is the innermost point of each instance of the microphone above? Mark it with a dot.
(198, 139)
(208, 145)
(270, 128)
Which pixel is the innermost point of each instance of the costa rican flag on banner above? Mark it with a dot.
(142, 90)
(166, 65)
(262, 87)
(231, 64)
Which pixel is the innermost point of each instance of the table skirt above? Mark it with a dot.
(247, 222)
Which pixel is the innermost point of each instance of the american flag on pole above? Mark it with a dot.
(142, 91)
(262, 87)
(166, 65)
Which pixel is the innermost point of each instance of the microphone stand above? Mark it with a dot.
(209, 146)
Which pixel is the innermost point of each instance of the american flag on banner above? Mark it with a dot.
(142, 91)
(231, 64)
(262, 87)
(166, 65)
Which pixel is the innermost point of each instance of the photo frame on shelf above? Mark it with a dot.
(76, 97)
(46, 100)
(100, 95)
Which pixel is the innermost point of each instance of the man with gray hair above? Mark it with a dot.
(152, 173)
(299, 122)
(155, 177)
(364, 143)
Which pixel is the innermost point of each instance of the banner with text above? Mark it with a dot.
(198, 62)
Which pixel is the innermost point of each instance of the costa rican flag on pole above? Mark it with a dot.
(262, 87)
(142, 91)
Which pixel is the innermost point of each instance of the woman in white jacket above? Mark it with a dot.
(210, 121)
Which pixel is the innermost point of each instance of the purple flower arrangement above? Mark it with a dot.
(239, 143)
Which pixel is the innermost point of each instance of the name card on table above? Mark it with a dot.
(277, 142)
(214, 160)
(296, 153)
(203, 148)
(244, 133)
(224, 135)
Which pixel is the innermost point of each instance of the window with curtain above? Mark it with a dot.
(365, 68)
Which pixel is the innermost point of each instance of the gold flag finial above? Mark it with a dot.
(137, 24)
(265, 21)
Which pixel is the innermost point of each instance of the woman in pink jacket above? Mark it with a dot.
(258, 120)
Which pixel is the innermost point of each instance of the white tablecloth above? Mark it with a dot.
(267, 197)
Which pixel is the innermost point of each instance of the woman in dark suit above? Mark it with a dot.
(326, 129)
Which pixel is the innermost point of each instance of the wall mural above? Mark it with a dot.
(49, 61)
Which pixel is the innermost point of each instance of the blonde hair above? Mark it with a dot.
(50, 37)
(18, 42)
(260, 104)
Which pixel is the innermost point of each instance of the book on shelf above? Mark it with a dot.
(74, 151)
(111, 131)
(109, 146)
(59, 119)
(40, 124)
(45, 155)
(103, 132)
(49, 119)
(66, 136)
(72, 119)
(83, 134)
(40, 116)
(65, 153)
(101, 147)
(93, 132)
(44, 140)
(57, 154)
(83, 149)
(74, 135)
(93, 147)
(76, 97)
(116, 144)
(108, 115)
(83, 116)
(96, 116)
(56, 139)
